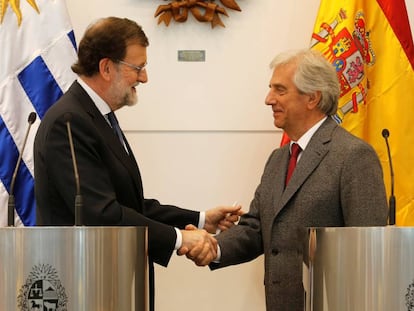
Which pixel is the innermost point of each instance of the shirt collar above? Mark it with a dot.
(98, 101)
(304, 140)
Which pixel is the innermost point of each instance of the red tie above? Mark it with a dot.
(292, 161)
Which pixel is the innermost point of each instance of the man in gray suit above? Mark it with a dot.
(337, 180)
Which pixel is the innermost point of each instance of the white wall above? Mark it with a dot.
(201, 132)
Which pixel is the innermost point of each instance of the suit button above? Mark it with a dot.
(275, 251)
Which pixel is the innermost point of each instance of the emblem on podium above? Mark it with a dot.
(42, 290)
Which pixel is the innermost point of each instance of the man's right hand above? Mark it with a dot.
(198, 245)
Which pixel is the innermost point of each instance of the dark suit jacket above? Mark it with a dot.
(110, 180)
(337, 182)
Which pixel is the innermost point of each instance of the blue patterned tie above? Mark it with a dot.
(115, 127)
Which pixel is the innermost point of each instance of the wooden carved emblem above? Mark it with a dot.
(202, 10)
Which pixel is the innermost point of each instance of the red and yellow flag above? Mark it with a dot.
(370, 44)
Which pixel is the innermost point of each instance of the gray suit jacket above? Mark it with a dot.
(337, 182)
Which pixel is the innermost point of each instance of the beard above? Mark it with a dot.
(129, 99)
(123, 94)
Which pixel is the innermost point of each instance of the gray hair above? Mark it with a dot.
(313, 73)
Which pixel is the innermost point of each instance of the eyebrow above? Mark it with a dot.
(277, 86)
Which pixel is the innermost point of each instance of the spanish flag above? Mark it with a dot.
(369, 43)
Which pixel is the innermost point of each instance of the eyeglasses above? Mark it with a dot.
(137, 68)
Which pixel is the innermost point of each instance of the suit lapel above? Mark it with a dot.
(279, 177)
(316, 150)
(113, 142)
(110, 138)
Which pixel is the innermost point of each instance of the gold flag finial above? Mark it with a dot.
(15, 5)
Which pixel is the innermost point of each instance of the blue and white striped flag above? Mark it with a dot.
(37, 49)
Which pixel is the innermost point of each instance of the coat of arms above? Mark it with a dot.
(203, 11)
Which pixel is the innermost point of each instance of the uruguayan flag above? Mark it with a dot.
(37, 49)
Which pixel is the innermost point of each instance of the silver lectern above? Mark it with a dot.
(360, 269)
(73, 268)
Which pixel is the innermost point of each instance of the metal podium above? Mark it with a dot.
(73, 269)
(359, 269)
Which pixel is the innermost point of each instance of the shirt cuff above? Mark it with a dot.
(179, 240)
(217, 260)
(201, 220)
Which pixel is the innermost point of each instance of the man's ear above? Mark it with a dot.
(314, 99)
(105, 68)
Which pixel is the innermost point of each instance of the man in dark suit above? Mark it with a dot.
(111, 64)
(337, 181)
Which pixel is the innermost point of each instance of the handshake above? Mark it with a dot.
(199, 245)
